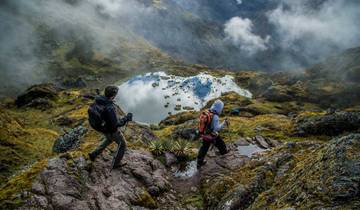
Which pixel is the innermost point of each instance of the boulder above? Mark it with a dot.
(300, 175)
(185, 133)
(179, 118)
(48, 91)
(137, 132)
(261, 142)
(329, 124)
(277, 93)
(69, 140)
(40, 103)
(75, 183)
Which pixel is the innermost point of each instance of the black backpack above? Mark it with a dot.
(95, 116)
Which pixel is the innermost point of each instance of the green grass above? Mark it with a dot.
(10, 192)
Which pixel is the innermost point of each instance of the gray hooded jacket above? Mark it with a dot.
(217, 108)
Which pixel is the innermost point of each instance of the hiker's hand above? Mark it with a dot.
(129, 116)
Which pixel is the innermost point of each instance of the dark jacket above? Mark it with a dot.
(109, 115)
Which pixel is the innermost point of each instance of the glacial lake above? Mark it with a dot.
(152, 97)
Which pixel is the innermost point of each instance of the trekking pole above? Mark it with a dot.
(228, 129)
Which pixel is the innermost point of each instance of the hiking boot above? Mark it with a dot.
(200, 164)
(92, 156)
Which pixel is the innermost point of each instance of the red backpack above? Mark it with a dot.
(205, 121)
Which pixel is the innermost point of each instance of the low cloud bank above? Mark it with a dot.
(297, 33)
(319, 32)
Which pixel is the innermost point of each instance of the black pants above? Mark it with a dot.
(219, 144)
(107, 140)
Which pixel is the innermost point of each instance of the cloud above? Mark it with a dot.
(319, 31)
(32, 30)
(240, 32)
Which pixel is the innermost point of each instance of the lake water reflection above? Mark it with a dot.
(153, 96)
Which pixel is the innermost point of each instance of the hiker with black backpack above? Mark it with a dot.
(103, 118)
(209, 128)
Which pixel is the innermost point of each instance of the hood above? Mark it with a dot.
(217, 107)
(102, 100)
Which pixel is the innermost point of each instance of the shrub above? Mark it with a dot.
(167, 145)
(156, 148)
(181, 148)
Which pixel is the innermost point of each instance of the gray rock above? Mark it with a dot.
(70, 184)
(40, 103)
(241, 142)
(259, 140)
(330, 124)
(69, 140)
(170, 159)
(38, 188)
(44, 91)
(186, 133)
(329, 177)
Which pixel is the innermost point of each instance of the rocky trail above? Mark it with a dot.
(280, 156)
(286, 175)
(144, 182)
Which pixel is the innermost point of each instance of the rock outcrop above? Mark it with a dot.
(69, 140)
(329, 124)
(186, 133)
(298, 175)
(74, 183)
(48, 91)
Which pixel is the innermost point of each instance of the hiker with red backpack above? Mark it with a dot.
(103, 118)
(209, 128)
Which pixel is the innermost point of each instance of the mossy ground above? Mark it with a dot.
(11, 192)
(193, 199)
(269, 119)
(27, 134)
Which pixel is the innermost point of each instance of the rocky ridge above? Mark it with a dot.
(305, 174)
(293, 132)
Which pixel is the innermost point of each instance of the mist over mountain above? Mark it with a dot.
(283, 34)
(282, 78)
(40, 38)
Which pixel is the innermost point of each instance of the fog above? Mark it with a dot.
(318, 33)
(301, 33)
(32, 30)
(257, 34)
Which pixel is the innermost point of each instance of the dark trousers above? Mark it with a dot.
(218, 143)
(107, 140)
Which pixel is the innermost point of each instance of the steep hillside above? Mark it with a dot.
(78, 41)
(293, 139)
(331, 84)
(344, 67)
(50, 40)
(30, 130)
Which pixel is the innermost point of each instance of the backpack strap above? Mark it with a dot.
(209, 117)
